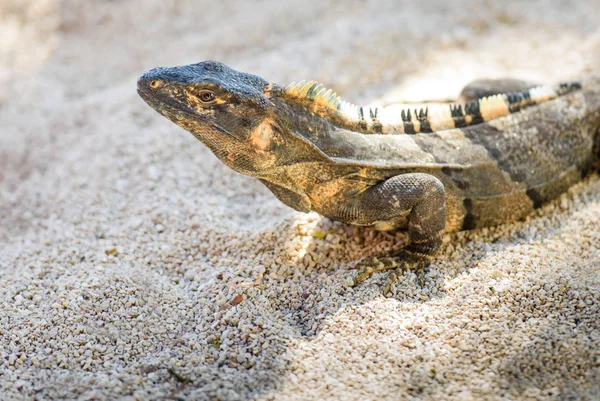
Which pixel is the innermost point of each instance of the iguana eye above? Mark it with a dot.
(206, 96)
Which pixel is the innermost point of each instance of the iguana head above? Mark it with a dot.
(229, 111)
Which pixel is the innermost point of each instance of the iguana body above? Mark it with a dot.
(490, 161)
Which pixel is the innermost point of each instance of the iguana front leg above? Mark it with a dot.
(422, 198)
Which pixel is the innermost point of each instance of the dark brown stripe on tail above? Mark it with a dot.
(362, 123)
(472, 109)
(407, 121)
(517, 100)
(423, 118)
(458, 116)
(377, 127)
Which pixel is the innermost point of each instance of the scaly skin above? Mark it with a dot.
(492, 162)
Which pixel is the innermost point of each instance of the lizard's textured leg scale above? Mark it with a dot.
(422, 197)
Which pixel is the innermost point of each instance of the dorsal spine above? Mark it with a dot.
(377, 120)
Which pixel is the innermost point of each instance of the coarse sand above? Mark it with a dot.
(134, 265)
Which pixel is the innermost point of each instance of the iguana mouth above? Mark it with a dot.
(165, 103)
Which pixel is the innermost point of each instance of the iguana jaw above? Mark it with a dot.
(164, 105)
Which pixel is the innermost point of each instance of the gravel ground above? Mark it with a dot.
(134, 265)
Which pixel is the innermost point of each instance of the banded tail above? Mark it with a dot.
(389, 120)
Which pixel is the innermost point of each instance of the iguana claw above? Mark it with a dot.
(403, 261)
(374, 265)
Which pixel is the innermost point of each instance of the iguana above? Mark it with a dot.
(494, 159)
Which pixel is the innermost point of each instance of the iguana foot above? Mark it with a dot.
(375, 264)
(403, 261)
(391, 281)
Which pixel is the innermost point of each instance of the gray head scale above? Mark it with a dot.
(229, 111)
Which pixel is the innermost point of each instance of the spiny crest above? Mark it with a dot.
(391, 120)
(421, 114)
(318, 93)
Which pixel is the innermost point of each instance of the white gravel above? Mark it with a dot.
(134, 265)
